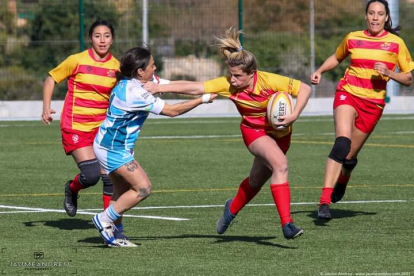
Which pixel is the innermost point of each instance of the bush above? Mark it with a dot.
(17, 84)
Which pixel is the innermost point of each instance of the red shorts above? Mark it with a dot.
(368, 113)
(75, 139)
(251, 134)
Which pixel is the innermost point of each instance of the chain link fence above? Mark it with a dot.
(36, 35)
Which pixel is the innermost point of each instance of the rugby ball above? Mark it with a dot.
(280, 104)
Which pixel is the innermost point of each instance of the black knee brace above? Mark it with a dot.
(108, 188)
(90, 172)
(340, 149)
(349, 165)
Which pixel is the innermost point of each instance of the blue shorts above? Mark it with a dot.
(111, 160)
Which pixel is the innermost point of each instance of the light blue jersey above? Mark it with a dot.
(129, 107)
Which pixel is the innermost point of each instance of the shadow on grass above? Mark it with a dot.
(79, 224)
(336, 214)
(63, 224)
(265, 241)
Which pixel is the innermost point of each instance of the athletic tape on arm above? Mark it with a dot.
(206, 98)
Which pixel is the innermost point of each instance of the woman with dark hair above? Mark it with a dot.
(360, 95)
(250, 90)
(129, 107)
(91, 76)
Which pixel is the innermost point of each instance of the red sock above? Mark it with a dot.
(343, 180)
(281, 197)
(243, 196)
(326, 196)
(75, 186)
(106, 200)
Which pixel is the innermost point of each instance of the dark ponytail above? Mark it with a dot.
(388, 24)
(132, 60)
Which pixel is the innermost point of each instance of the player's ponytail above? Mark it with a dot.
(231, 48)
(388, 24)
(132, 60)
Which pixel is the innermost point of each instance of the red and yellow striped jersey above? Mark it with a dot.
(89, 86)
(252, 104)
(360, 78)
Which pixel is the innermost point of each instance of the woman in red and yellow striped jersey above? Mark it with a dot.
(360, 96)
(250, 90)
(91, 76)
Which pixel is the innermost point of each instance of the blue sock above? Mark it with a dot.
(119, 227)
(119, 231)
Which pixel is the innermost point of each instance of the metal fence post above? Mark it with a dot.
(241, 21)
(145, 22)
(393, 87)
(81, 39)
(312, 43)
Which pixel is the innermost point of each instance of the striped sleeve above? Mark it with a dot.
(343, 51)
(282, 83)
(221, 86)
(405, 62)
(64, 70)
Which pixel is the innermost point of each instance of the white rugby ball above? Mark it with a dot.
(280, 104)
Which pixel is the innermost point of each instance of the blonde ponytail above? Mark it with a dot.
(231, 48)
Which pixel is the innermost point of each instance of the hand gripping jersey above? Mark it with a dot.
(129, 107)
(360, 78)
(89, 86)
(252, 104)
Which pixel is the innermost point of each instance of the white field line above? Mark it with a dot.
(294, 134)
(239, 135)
(42, 210)
(191, 136)
(92, 211)
(223, 120)
(255, 205)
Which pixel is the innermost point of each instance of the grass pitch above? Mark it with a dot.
(195, 164)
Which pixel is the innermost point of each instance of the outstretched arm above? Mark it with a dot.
(187, 87)
(177, 109)
(48, 87)
(329, 64)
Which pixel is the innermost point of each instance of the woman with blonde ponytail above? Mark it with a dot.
(250, 90)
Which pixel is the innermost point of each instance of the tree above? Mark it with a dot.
(6, 30)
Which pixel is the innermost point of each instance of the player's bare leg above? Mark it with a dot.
(133, 180)
(248, 189)
(271, 156)
(344, 117)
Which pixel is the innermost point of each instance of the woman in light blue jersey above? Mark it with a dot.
(129, 107)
